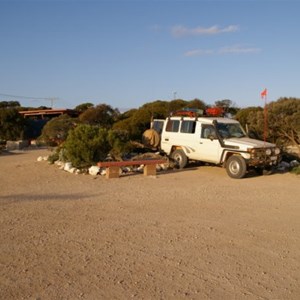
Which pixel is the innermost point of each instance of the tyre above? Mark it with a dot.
(179, 158)
(236, 167)
(151, 138)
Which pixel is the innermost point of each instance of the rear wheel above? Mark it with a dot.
(179, 158)
(236, 167)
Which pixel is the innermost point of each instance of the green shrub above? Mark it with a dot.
(56, 130)
(296, 170)
(53, 157)
(11, 124)
(119, 142)
(86, 145)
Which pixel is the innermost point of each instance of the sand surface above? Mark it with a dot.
(191, 234)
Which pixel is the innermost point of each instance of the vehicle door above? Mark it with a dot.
(187, 137)
(208, 146)
(169, 136)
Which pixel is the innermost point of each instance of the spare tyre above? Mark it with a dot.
(151, 138)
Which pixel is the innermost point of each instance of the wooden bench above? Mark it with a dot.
(113, 167)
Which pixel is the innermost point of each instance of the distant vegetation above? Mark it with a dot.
(283, 121)
(101, 129)
(12, 124)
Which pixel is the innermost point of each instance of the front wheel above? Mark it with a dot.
(236, 167)
(179, 158)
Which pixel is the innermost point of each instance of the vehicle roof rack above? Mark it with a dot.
(196, 113)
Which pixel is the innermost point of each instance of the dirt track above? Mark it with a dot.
(192, 234)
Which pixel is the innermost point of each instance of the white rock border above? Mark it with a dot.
(95, 170)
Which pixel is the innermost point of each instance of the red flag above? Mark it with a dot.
(264, 93)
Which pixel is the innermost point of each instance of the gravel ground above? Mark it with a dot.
(190, 234)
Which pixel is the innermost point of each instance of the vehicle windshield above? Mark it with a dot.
(230, 130)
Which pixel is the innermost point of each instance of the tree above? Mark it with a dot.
(176, 104)
(156, 109)
(11, 124)
(252, 119)
(57, 129)
(136, 121)
(139, 122)
(196, 103)
(284, 121)
(228, 106)
(83, 107)
(102, 115)
(125, 125)
(42, 107)
(9, 104)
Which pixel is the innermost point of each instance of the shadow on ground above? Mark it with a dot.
(16, 198)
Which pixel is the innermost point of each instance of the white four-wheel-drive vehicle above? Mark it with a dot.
(218, 140)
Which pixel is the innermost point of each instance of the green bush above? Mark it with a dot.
(11, 124)
(53, 157)
(119, 142)
(58, 153)
(56, 130)
(296, 170)
(86, 145)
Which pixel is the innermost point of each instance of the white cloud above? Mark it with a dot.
(198, 52)
(181, 31)
(238, 49)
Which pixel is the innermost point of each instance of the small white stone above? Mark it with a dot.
(163, 166)
(68, 166)
(72, 170)
(140, 168)
(94, 170)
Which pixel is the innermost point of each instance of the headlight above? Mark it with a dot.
(268, 152)
(277, 151)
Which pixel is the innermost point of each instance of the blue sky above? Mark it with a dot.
(127, 53)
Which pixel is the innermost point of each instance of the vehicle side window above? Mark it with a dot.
(172, 126)
(188, 127)
(158, 126)
(208, 131)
